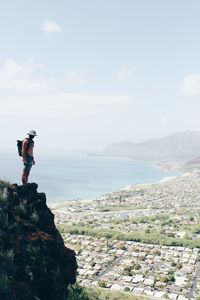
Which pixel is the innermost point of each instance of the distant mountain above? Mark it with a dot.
(182, 146)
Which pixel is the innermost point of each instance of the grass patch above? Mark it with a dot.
(4, 184)
(78, 292)
(138, 236)
(119, 207)
(111, 295)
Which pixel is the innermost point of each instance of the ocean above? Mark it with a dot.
(80, 176)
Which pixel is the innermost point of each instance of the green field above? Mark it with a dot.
(154, 237)
(78, 292)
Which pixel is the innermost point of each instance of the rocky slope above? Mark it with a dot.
(34, 263)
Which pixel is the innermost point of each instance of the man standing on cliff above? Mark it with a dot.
(27, 155)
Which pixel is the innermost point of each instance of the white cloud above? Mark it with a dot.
(164, 120)
(79, 120)
(27, 77)
(67, 105)
(22, 77)
(51, 27)
(65, 120)
(78, 77)
(125, 73)
(190, 85)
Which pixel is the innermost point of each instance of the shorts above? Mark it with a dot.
(29, 163)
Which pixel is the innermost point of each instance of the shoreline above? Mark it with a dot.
(170, 166)
(165, 179)
(127, 188)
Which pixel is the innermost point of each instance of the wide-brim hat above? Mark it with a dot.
(32, 132)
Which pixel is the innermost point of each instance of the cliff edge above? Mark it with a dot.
(34, 262)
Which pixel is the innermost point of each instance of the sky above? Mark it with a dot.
(85, 74)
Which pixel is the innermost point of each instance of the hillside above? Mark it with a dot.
(182, 146)
(34, 263)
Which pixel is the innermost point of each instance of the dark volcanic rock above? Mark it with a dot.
(34, 263)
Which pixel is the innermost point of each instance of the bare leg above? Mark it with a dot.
(25, 175)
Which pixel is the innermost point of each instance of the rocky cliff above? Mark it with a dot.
(34, 263)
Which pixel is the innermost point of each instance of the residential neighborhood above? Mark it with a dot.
(152, 270)
(161, 258)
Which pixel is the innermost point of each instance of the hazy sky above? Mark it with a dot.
(86, 73)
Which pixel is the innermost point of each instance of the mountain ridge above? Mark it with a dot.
(181, 146)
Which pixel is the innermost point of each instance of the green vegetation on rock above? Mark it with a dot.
(34, 262)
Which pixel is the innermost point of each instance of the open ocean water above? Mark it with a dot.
(80, 176)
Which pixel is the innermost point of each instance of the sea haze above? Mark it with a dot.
(79, 176)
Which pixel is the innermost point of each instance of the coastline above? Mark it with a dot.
(170, 166)
(165, 179)
(128, 188)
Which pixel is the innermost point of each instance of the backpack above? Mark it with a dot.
(19, 146)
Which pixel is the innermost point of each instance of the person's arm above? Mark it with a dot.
(24, 147)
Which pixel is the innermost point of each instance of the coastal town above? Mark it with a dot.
(143, 239)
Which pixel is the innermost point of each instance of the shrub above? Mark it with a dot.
(137, 266)
(102, 283)
(4, 283)
(77, 292)
(34, 217)
(21, 209)
(3, 220)
(196, 230)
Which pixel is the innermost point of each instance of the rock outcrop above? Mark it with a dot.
(34, 262)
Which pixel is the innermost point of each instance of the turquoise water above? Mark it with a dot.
(79, 176)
